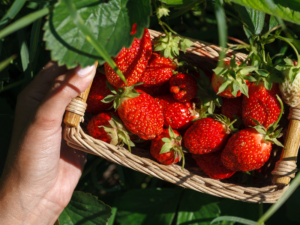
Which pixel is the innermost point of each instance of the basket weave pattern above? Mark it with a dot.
(191, 177)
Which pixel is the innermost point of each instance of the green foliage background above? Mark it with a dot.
(135, 198)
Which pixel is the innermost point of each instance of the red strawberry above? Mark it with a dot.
(166, 148)
(139, 112)
(155, 90)
(179, 115)
(132, 62)
(232, 106)
(163, 101)
(207, 135)
(250, 149)
(231, 79)
(246, 150)
(262, 105)
(107, 127)
(98, 91)
(158, 71)
(183, 87)
(212, 165)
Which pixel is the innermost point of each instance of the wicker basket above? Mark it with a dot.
(192, 177)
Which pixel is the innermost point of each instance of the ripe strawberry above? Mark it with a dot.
(132, 62)
(250, 148)
(139, 112)
(262, 105)
(232, 106)
(158, 71)
(179, 115)
(207, 135)
(212, 165)
(107, 127)
(166, 148)
(98, 91)
(155, 90)
(231, 79)
(183, 87)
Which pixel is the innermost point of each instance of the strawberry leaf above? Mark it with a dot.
(262, 72)
(224, 86)
(185, 43)
(166, 148)
(113, 20)
(171, 133)
(166, 140)
(108, 99)
(288, 61)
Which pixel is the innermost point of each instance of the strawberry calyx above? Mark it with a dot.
(290, 69)
(118, 133)
(207, 96)
(173, 144)
(226, 122)
(271, 133)
(235, 76)
(121, 94)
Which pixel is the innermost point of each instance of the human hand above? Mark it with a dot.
(41, 171)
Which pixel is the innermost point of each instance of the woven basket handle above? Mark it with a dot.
(76, 108)
(286, 167)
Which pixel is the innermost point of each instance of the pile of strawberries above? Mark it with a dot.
(160, 104)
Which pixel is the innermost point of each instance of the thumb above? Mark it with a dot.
(65, 87)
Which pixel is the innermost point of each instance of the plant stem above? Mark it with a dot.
(295, 183)
(295, 50)
(13, 85)
(260, 210)
(160, 22)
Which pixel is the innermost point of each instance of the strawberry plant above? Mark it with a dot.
(161, 101)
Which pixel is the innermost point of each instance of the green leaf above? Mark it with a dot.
(171, 133)
(166, 148)
(224, 86)
(222, 27)
(110, 23)
(87, 208)
(249, 78)
(34, 42)
(24, 53)
(287, 10)
(293, 73)
(262, 72)
(148, 206)
(252, 18)
(23, 22)
(268, 84)
(108, 99)
(273, 22)
(220, 70)
(197, 208)
(234, 219)
(185, 43)
(166, 140)
(12, 12)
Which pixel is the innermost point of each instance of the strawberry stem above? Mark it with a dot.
(281, 110)
(295, 50)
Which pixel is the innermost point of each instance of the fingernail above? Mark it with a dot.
(85, 71)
